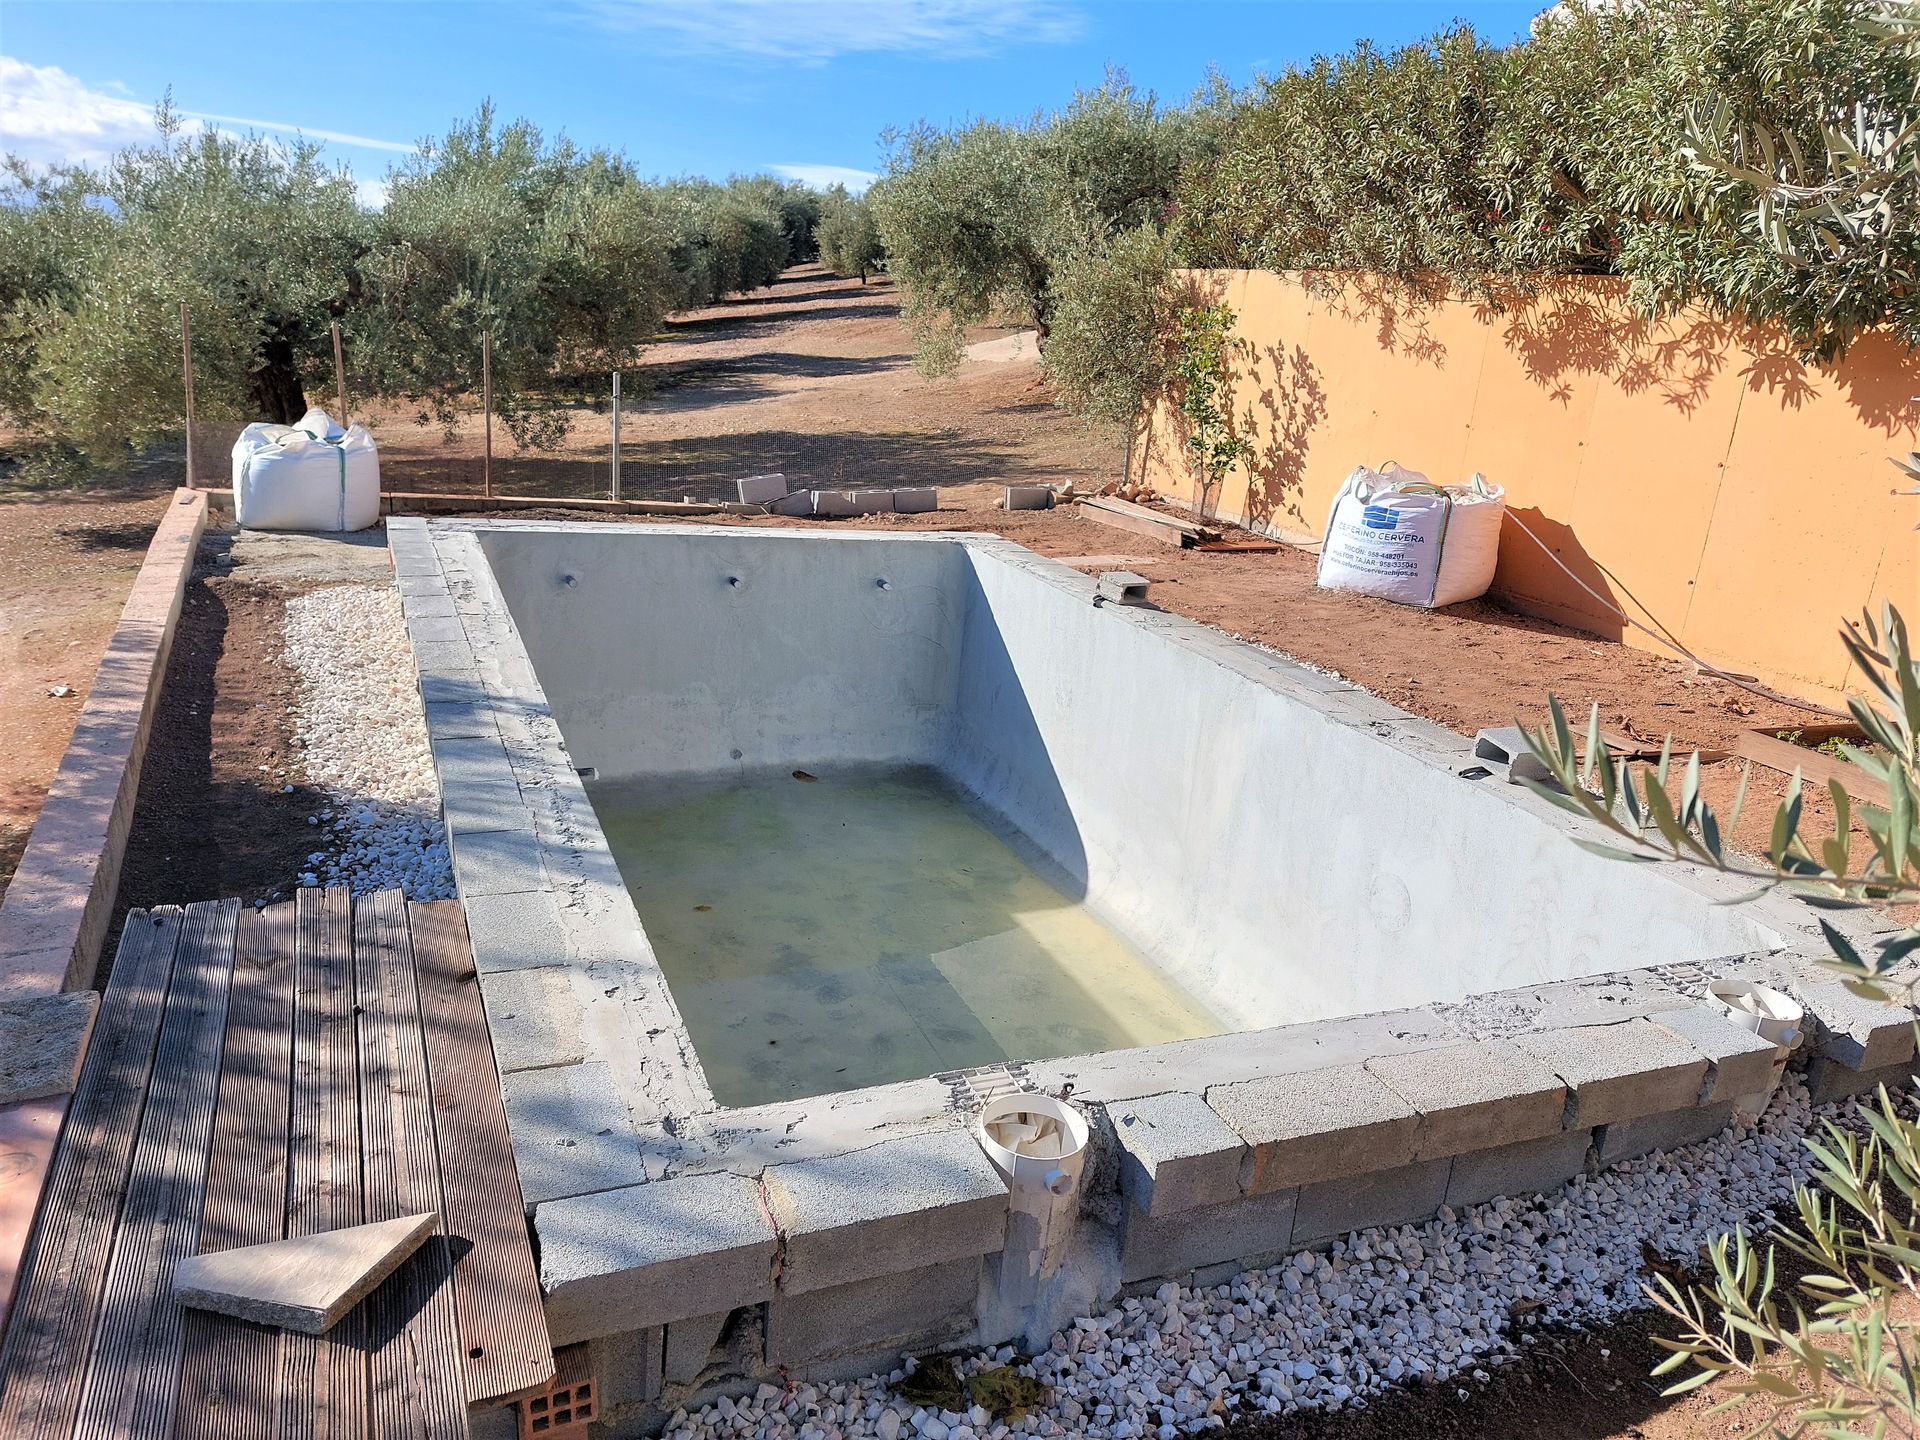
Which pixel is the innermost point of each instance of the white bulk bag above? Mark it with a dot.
(1395, 534)
(310, 476)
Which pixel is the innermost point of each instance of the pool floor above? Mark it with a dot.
(823, 935)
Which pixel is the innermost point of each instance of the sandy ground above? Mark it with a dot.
(812, 378)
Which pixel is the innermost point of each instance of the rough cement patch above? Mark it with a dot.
(1316, 1125)
(887, 1208)
(653, 1254)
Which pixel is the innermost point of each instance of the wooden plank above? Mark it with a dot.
(229, 1368)
(49, 1337)
(418, 1382)
(134, 1378)
(1123, 515)
(322, 1387)
(1815, 767)
(503, 1328)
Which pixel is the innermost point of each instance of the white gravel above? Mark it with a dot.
(1441, 1301)
(359, 726)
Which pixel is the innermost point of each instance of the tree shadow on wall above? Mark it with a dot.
(1289, 404)
(1563, 330)
(1399, 309)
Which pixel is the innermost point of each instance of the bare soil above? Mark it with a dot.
(812, 377)
(67, 562)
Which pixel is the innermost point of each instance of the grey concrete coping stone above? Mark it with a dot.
(1199, 1065)
(1176, 1153)
(1316, 1125)
(1475, 1096)
(43, 1039)
(454, 720)
(443, 657)
(454, 685)
(652, 1254)
(890, 1207)
(1740, 1061)
(1861, 1034)
(571, 1132)
(497, 862)
(533, 1016)
(426, 607)
(1621, 1071)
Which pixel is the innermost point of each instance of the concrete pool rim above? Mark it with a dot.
(656, 1208)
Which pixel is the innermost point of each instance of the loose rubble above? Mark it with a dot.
(357, 721)
(1325, 1330)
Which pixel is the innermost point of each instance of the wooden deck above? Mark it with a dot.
(260, 1074)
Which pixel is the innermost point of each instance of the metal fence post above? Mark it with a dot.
(616, 435)
(486, 406)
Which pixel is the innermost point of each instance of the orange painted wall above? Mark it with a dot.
(1744, 498)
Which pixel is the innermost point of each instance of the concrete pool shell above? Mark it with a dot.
(1434, 996)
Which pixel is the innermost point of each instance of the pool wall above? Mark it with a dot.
(1194, 787)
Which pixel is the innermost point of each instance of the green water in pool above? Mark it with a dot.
(861, 929)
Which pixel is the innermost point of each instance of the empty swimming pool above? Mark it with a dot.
(779, 850)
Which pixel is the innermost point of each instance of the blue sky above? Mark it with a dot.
(682, 86)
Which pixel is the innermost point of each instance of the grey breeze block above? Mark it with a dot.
(1316, 1125)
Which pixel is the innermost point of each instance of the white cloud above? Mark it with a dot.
(825, 177)
(49, 117)
(813, 33)
(372, 193)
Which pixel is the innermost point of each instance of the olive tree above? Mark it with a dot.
(264, 244)
(849, 237)
(979, 220)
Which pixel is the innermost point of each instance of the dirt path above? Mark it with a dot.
(66, 565)
(811, 377)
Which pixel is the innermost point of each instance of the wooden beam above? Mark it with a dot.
(1814, 766)
(229, 1369)
(322, 1387)
(503, 1327)
(418, 1381)
(1124, 515)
